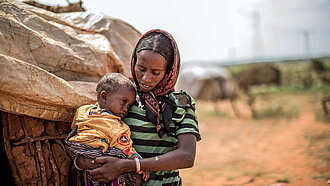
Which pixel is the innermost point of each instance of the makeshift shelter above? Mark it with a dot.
(206, 82)
(49, 65)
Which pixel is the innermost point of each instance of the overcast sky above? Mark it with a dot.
(228, 29)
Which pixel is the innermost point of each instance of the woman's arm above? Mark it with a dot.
(182, 157)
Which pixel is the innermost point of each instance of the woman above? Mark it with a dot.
(163, 123)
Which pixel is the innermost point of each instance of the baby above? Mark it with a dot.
(99, 126)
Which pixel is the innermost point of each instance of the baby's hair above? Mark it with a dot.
(111, 82)
(159, 43)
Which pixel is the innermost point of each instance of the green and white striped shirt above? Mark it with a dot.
(147, 142)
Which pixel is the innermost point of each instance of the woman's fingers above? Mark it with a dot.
(94, 172)
(97, 175)
(103, 180)
(101, 160)
(100, 178)
(108, 169)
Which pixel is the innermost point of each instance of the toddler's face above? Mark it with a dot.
(119, 101)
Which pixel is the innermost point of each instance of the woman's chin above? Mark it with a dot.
(145, 89)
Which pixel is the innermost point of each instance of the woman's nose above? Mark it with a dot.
(146, 77)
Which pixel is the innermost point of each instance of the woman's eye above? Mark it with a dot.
(156, 73)
(141, 69)
(123, 101)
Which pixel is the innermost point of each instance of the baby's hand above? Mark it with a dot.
(145, 175)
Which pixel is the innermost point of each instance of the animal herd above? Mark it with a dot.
(217, 87)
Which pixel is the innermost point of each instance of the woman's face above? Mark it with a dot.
(150, 68)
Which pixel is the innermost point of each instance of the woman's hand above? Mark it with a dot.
(110, 168)
(86, 163)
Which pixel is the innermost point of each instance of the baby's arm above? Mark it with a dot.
(124, 143)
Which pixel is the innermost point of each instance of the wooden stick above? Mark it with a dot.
(31, 147)
(40, 138)
(52, 161)
(324, 104)
(61, 144)
(6, 143)
(42, 163)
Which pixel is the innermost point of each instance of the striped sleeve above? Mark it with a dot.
(188, 122)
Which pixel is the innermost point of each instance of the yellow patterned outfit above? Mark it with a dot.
(99, 128)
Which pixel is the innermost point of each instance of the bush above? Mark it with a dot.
(288, 111)
(320, 116)
(319, 142)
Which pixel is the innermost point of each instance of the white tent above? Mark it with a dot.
(206, 82)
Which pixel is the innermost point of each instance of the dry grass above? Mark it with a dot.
(272, 149)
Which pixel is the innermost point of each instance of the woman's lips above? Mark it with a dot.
(144, 86)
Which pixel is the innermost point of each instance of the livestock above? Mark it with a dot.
(209, 83)
(259, 74)
(256, 75)
(321, 70)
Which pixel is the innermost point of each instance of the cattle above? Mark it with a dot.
(256, 75)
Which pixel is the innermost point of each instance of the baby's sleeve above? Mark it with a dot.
(125, 143)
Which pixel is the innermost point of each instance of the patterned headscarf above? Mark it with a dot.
(157, 100)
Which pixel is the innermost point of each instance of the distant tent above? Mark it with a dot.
(208, 83)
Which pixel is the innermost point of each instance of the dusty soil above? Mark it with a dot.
(245, 151)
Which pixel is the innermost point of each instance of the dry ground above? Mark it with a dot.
(245, 151)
